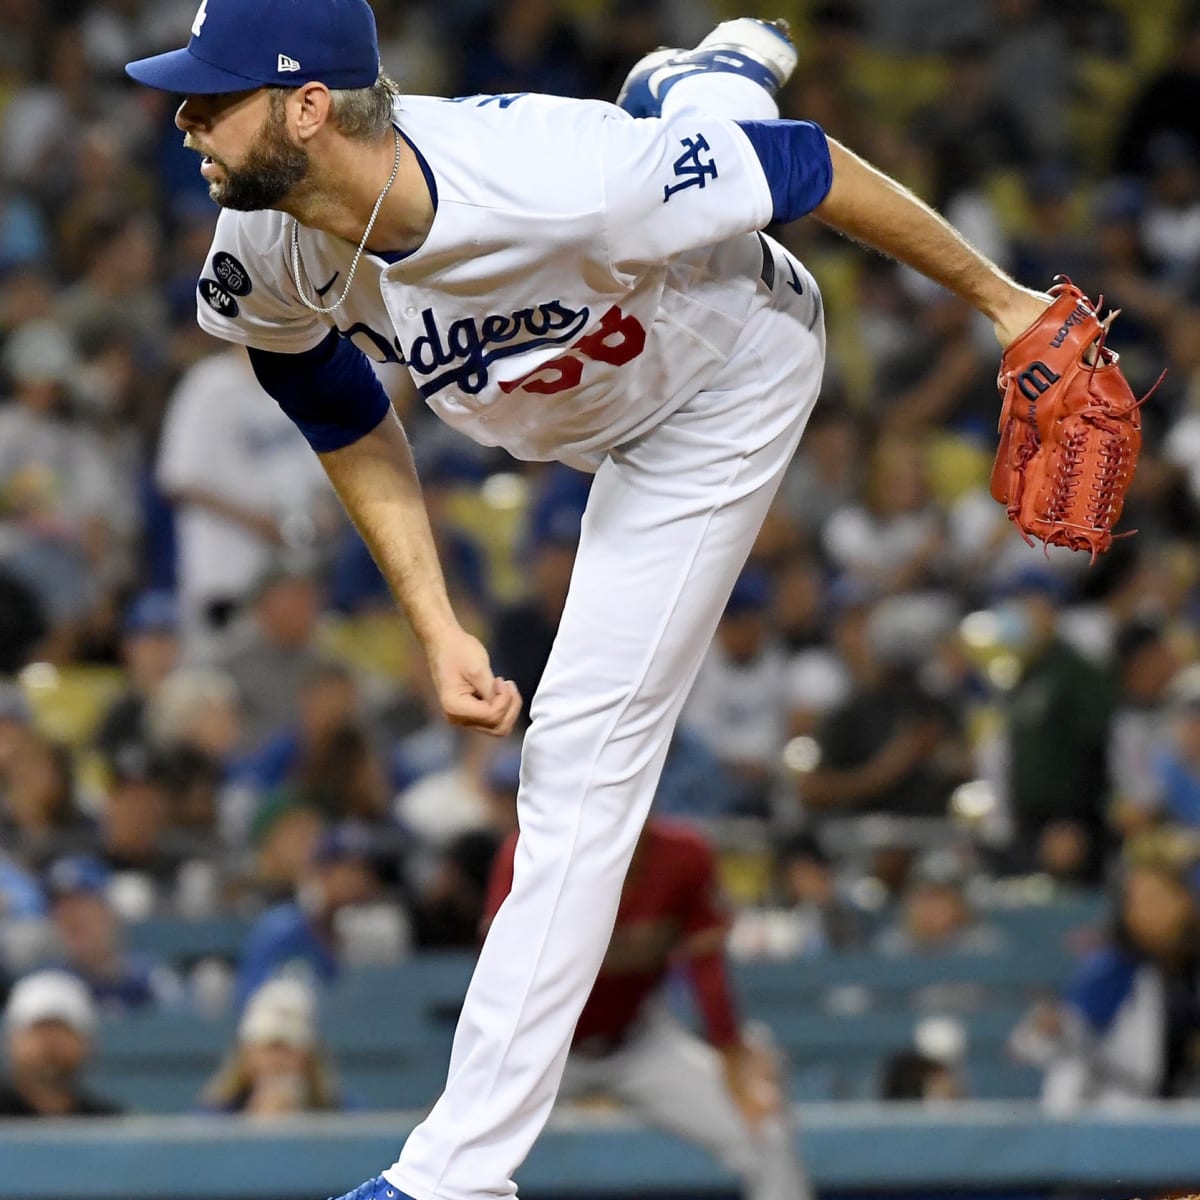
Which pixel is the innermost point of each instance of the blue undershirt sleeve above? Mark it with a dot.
(795, 159)
(330, 392)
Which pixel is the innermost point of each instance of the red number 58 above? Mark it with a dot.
(617, 340)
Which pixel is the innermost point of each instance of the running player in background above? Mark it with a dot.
(723, 1094)
(570, 283)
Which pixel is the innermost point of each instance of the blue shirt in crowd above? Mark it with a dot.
(283, 937)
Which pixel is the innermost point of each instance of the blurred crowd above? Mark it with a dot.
(208, 705)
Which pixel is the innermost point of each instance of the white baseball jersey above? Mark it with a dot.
(585, 273)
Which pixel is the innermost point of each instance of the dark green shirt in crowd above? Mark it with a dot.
(1059, 718)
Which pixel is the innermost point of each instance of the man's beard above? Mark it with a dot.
(273, 166)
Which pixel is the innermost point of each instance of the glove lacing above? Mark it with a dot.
(1114, 464)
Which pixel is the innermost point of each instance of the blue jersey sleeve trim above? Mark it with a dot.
(330, 392)
(795, 159)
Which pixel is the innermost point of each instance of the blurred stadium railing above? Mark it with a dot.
(894, 1150)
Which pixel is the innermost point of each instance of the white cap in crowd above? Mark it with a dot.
(283, 1010)
(50, 996)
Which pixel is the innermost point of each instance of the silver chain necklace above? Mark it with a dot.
(387, 187)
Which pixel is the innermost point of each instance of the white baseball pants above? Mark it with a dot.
(673, 1081)
(670, 522)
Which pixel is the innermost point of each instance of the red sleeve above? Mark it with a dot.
(500, 882)
(703, 906)
(714, 997)
(704, 919)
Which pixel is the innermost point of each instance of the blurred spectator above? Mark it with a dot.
(524, 632)
(270, 655)
(1147, 662)
(800, 603)
(196, 781)
(58, 495)
(48, 1028)
(826, 473)
(1029, 44)
(808, 885)
(940, 375)
(1165, 104)
(890, 541)
(1127, 585)
(23, 235)
(278, 1068)
(1051, 245)
(824, 666)
(196, 707)
(16, 724)
(811, 918)
(694, 783)
(35, 145)
(1176, 766)
(923, 26)
(90, 936)
(244, 482)
(1126, 269)
(723, 1093)
(524, 46)
(118, 291)
(893, 745)
(477, 791)
(25, 932)
(23, 620)
(450, 906)
(976, 134)
(193, 724)
(936, 917)
(1181, 447)
(149, 653)
(911, 1075)
(286, 832)
(136, 840)
(1126, 1028)
(326, 755)
(316, 933)
(1170, 221)
(738, 703)
(1060, 713)
(38, 811)
(20, 895)
(449, 903)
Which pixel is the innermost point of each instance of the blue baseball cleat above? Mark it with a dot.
(760, 50)
(375, 1189)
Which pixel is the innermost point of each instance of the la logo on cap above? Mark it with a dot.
(285, 63)
(201, 17)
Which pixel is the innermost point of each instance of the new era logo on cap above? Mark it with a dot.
(333, 42)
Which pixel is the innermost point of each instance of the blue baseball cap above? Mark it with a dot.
(77, 875)
(239, 45)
